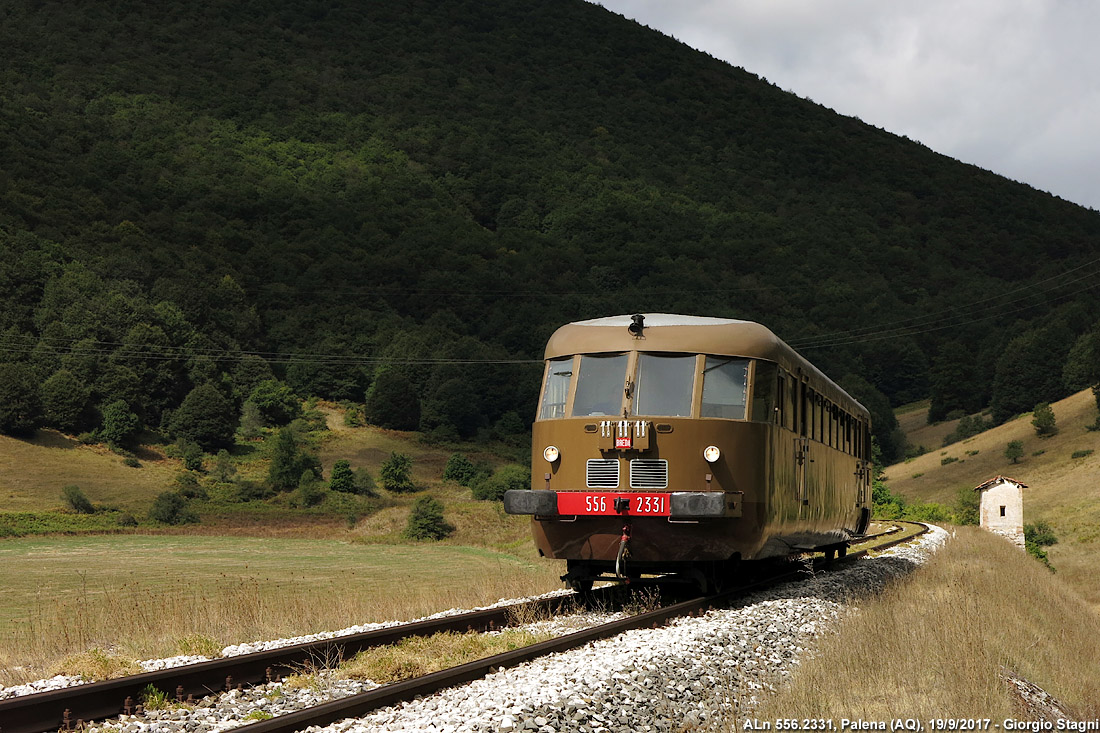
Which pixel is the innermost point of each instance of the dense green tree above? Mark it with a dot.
(20, 407)
(1043, 420)
(967, 506)
(171, 508)
(206, 417)
(1014, 451)
(277, 403)
(342, 478)
(426, 521)
(459, 469)
(396, 474)
(392, 403)
(1082, 367)
(65, 402)
(120, 424)
(289, 460)
(249, 372)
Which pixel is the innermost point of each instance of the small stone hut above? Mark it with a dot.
(1001, 508)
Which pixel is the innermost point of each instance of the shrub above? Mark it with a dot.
(459, 469)
(1081, 453)
(1014, 450)
(311, 491)
(507, 477)
(949, 459)
(126, 520)
(1036, 537)
(967, 503)
(206, 417)
(426, 520)
(288, 461)
(191, 454)
(364, 483)
(76, 500)
(224, 470)
(187, 486)
(131, 461)
(1043, 420)
(171, 508)
(354, 417)
(342, 479)
(396, 473)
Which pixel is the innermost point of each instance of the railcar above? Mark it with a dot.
(683, 444)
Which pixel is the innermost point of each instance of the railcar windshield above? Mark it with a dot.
(600, 385)
(664, 383)
(725, 387)
(558, 375)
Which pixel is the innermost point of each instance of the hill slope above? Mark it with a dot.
(352, 182)
(1062, 490)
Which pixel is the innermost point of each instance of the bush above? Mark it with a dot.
(507, 477)
(1081, 453)
(206, 417)
(311, 491)
(342, 479)
(364, 483)
(120, 424)
(459, 469)
(76, 500)
(1014, 450)
(396, 474)
(426, 520)
(131, 461)
(224, 470)
(288, 461)
(126, 520)
(191, 454)
(949, 459)
(1043, 420)
(967, 506)
(171, 508)
(188, 486)
(1036, 537)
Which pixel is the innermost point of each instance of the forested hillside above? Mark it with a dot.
(210, 194)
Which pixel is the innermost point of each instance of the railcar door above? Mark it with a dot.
(802, 444)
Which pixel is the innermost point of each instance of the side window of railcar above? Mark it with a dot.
(763, 392)
(600, 385)
(664, 384)
(559, 372)
(725, 383)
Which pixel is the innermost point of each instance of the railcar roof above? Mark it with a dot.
(672, 332)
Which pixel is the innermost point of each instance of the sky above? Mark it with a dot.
(1012, 86)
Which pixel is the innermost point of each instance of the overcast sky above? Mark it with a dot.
(1012, 86)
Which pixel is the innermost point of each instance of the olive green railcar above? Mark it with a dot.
(669, 443)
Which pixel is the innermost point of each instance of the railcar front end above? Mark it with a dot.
(671, 443)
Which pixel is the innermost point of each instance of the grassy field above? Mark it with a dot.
(934, 645)
(1062, 490)
(145, 596)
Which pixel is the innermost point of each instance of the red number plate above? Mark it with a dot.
(622, 442)
(603, 503)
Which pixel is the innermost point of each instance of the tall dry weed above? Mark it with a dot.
(935, 643)
(137, 623)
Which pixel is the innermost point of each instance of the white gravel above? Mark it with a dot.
(690, 674)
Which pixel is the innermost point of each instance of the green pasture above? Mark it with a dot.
(37, 574)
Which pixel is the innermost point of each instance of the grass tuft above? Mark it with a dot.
(96, 664)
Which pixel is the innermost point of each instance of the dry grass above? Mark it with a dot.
(418, 656)
(934, 644)
(193, 594)
(33, 472)
(1061, 490)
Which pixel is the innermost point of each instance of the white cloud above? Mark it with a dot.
(1008, 85)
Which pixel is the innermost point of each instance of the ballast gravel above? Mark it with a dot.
(691, 674)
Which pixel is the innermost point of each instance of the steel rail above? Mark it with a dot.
(63, 708)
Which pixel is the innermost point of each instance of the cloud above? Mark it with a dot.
(1004, 84)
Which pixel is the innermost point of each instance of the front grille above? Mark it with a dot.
(649, 473)
(602, 473)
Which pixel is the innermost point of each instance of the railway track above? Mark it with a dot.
(68, 708)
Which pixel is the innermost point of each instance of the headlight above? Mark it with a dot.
(711, 453)
(551, 453)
